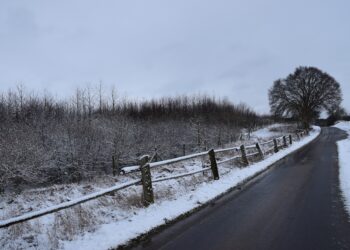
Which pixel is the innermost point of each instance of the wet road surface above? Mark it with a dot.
(296, 205)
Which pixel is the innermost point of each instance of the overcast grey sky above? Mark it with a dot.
(159, 47)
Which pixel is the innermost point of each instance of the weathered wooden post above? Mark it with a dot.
(146, 180)
(155, 154)
(184, 149)
(275, 145)
(290, 139)
(258, 147)
(115, 166)
(244, 155)
(285, 144)
(213, 164)
(114, 169)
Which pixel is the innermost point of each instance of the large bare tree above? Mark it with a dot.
(304, 94)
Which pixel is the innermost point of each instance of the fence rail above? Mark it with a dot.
(64, 205)
(147, 184)
(181, 175)
(265, 143)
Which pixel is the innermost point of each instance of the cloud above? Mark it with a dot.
(154, 48)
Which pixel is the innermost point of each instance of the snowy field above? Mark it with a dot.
(273, 130)
(113, 220)
(344, 162)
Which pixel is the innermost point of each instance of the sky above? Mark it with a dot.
(155, 48)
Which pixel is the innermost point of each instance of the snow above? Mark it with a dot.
(122, 211)
(120, 232)
(67, 204)
(343, 125)
(269, 132)
(344, 164)
(180, 175)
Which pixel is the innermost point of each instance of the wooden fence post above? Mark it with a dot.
(244, 155)
(114, 166)
(155, 154)
(275, 145)
(290, 139)
(258, 147)
(213, 164)
(285, 144)
(146, 180)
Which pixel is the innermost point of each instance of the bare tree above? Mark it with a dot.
(100, 97)
(113, 98)
(45, 140)
(304, 94)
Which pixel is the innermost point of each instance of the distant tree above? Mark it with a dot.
(304, 94)
(336, 115)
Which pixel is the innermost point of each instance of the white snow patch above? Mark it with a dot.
(120, 232)
(344, 164)
(270, 131)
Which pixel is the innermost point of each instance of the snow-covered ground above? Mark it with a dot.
(273, 130)
(161, 212)
(344, 163)
(115, 219)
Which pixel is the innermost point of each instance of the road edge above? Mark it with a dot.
(241, 186)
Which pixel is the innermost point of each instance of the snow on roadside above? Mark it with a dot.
(344, 164)
(268, 132)
(120, 232)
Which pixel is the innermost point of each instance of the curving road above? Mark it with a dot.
(296, 205)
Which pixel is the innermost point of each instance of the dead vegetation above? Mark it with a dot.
(45, 141)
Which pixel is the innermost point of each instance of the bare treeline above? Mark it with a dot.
(44, 140)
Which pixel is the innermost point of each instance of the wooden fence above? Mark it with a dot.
(245, 153)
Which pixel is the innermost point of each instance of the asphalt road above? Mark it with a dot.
(296, 205)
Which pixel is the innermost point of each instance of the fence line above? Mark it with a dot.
(226, 150)
(64, 205)
(267, 142)
(181, 175)
(147, 185)
(252, 154)
(250, 147)
(175, 160)
(228, 160)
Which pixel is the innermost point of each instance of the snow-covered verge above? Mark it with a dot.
(273, 130)
(120, 217)
(344, 163)
(118, 233)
